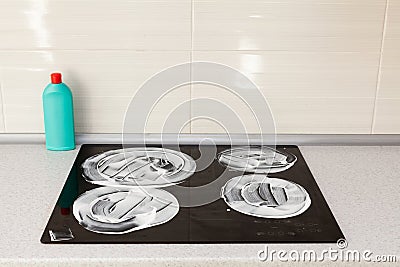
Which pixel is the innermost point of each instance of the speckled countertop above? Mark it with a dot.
(360, 184)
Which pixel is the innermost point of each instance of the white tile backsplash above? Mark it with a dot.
(2, 128)
(25, 117)
(102, 82)
(220, 110)
(317, 115)
(95, 24)
(390, 76)
(387, 113)
(389, 86)
(313, 25)
(322, 115)
(387, 116)
(110, 118)
(316, 61)
(170, 113)
(87, 72)
(303, 74)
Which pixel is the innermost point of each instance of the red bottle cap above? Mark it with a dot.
(56, 77)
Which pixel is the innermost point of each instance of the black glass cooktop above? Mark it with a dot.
(214, 223)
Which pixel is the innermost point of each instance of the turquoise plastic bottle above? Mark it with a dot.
(58, 115)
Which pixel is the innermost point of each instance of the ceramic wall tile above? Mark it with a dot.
(2, 125)
(387, 116)
(110, 117)
(170, 114)
(389, 86)
(314, 25)
(299, 74)
(291, 115)
(24, 117)
(386, 120)
(316, 61)
(323, 115)
(90, 74)
(100, 24)
(221, 110)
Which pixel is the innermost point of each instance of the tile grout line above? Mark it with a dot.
(379, 74)
(2, 107)
(38, 50)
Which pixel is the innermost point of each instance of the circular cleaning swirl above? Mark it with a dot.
(108, 210)
(256, 159)
(146, 167)
(260, 196)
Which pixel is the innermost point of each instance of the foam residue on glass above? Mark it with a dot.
(110, 210)
(261, 196)
(256, 159)
(151, 167)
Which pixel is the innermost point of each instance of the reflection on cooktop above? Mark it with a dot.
(115, 196)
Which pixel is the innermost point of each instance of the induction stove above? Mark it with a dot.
(216, 222)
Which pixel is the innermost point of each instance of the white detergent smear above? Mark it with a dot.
(109, 210)
(149, 167)
(256, 159)
(261, 196)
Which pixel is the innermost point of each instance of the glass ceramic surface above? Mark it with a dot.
(90, 213)
(256, 159)
(146, 167)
